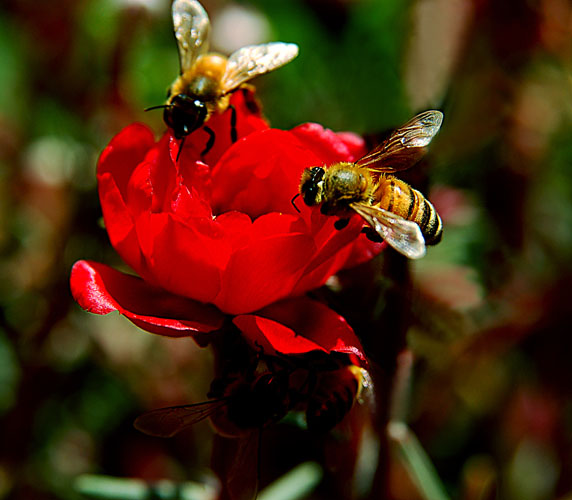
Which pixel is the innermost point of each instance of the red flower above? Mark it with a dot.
(226, 236)
(292, 326)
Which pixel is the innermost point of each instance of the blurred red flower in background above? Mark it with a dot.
(222, 239)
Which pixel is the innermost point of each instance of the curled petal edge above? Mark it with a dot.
(100, 289)
(280, 329)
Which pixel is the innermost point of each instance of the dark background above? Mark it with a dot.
(492, 396)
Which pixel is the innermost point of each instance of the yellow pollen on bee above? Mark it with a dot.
(212, 66)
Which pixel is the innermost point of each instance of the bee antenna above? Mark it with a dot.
(158, 107)
(294, 204)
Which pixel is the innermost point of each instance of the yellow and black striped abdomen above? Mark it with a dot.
(398, 197)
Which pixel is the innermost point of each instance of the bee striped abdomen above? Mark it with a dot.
(400, 198)
(428, 219)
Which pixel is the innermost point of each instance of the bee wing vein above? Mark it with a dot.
(166, 422)
(405, 146)
(403, 235)
(253, 60)
(192, 26)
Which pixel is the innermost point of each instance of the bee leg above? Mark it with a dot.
(371, 235)
(233, 131)
(210, 142)
(250, 100)
(182, 143)
(341, 223)
(293, 201)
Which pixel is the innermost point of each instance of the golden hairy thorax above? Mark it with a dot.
(203, 80)
(344, 183)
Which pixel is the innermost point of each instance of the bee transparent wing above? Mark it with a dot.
(192, 26)
(166, 422)
(403, 235)
(406, 145)
(253, 60)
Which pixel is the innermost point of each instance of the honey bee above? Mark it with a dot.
(397, 213)
(241, 406)
(208, 79)
(244, 406)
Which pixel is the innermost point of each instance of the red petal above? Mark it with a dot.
(297, 326)
(261, 174)
(335, 247)
(99, 289)
(185, 257)
(139, 189)
(164, 175)
(355, 144)
(264, 271)
(180, 186)
(328, 145)
(116, 166)
(363, 250)
(125, 151)
(119, 223)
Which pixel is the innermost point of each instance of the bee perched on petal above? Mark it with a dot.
(208, 79)
(394, 211)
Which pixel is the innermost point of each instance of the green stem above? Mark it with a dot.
(111, 488)
(416, 461)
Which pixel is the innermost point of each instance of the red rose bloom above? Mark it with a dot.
(292, 326)
(225, 235)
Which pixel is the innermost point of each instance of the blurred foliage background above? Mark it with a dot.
(491, 398)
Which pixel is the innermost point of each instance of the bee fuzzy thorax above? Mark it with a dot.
(335, 187)
(344, 183)
(211, 65)
(202, 80)
(348, 181)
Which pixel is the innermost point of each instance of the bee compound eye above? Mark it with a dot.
(309, 193)
(317, 174)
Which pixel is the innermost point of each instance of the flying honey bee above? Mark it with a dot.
(243, 406)
(208, 79)
(399, 214)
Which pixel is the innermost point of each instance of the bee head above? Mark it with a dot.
(185, 114)
(312, 185)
